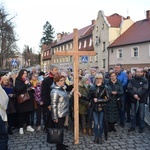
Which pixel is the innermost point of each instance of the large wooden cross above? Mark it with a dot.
(75, 53)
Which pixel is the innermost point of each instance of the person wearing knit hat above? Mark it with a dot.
(84, 87)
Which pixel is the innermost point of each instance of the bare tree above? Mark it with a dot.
(7, 36)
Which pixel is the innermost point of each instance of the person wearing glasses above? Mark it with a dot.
(59, 104)
(99, 96)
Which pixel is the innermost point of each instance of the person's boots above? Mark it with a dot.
(96, 140)
(9, 131)
(84, 131)
(100, 140)
(109, 127)
(113, 128)
(90, 132)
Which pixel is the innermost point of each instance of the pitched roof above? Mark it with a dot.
(81, 32)
(115, 20)
(139, 32)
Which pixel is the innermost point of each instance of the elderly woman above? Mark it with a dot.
(24, 109)
(59, 104)
(99, 96)
(84, 87)
(115, 91)
(11, 109)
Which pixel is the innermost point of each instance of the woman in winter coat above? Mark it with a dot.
(59, 104)
(24, 109)
(115, 92)
(99, 96)
(84, 87)
(11, 108)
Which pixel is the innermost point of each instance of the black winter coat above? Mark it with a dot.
(112, 110)
(139, 86)
(101, 93)
(3, 135)
(46, 89)
(21, 88)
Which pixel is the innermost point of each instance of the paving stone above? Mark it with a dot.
(119, 140)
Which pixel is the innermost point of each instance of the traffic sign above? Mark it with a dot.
(14, 62)
(84, 59)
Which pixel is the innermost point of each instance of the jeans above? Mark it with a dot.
(98, 118)
(140, 116)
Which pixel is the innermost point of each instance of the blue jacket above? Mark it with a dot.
(122, 77)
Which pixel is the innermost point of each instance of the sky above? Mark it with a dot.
(64, 15)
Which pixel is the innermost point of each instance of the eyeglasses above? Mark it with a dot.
(99, 78)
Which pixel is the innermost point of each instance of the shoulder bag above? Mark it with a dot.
(23, 97)
(55, 135)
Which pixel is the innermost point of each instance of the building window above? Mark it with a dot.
(135, 51)
(120, 53)
(80, 45)
(104, 63)
(103, 26)
(97, 40)
(70, 45)
(63, 47)
(96, 57)
(70, 58)
(90, 43)
(60, 48)
(67, 47)
(57, 60)
(104, 46)
(84, 43)
(96, 28)
(54, 60)
(67, 59)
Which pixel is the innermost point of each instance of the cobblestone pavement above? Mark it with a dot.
(121, 140)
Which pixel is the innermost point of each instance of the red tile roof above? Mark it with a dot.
(115, 20)
(81, 32)
(139, 32)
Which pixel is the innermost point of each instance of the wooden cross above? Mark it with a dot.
(75, 53)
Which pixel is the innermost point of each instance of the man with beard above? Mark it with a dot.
(138, 88)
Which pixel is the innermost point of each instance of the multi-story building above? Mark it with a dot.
(132, 48)
(106, 30)
(96, 36)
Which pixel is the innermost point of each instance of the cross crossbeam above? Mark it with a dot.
(76, 53)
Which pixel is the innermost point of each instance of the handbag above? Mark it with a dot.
(119, 104)
(55, 135)
(23, 97)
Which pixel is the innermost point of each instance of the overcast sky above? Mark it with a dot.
(65, 15)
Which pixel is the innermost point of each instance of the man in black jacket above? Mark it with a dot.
(45, 94)
(138, 88)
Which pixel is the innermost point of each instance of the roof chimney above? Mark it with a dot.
(59, 36)
(93, 21)
(128, 17)
(148, 14)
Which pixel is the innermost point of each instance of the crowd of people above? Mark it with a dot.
(105, 99)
